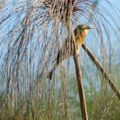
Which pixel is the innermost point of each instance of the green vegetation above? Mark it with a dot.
(58, 100)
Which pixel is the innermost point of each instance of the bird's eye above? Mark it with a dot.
(87, 28)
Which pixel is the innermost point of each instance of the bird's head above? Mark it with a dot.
(82, 30)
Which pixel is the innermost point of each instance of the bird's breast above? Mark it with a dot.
(79, 42)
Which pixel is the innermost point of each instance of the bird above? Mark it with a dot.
(67, 49)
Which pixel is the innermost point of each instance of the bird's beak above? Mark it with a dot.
(92, 28)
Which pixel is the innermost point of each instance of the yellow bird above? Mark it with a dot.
(80, 33)
(67, 49)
